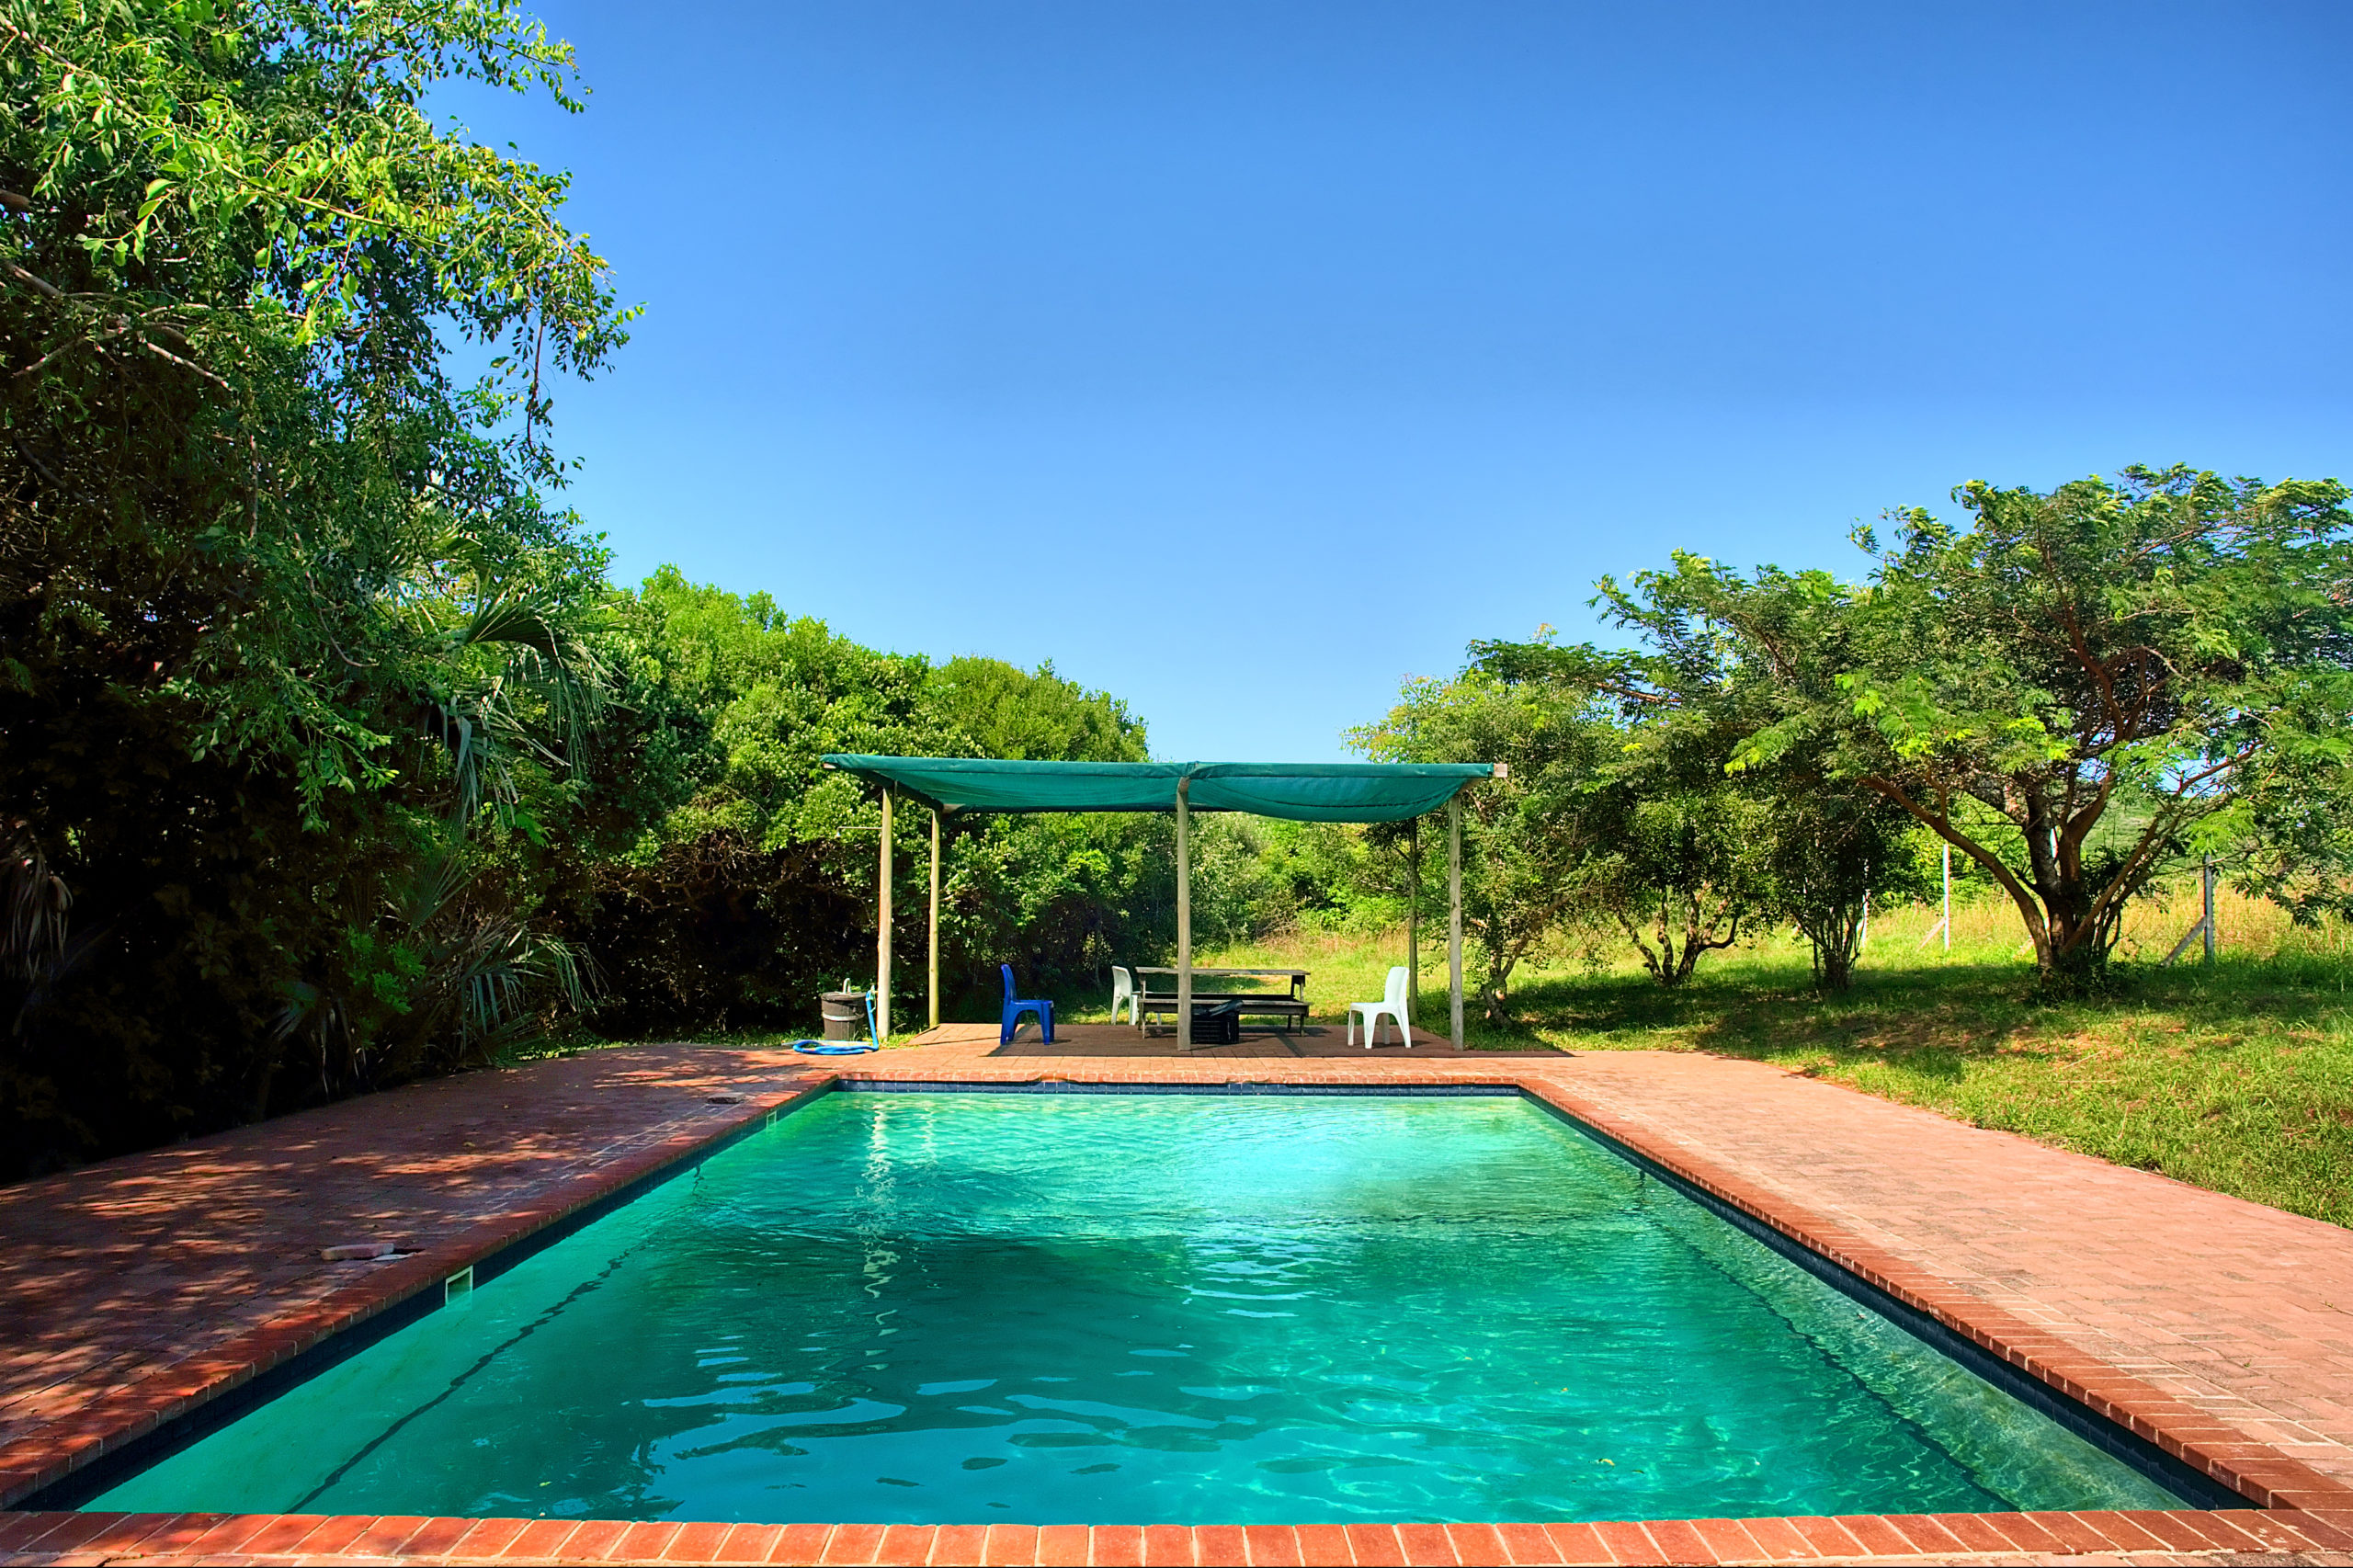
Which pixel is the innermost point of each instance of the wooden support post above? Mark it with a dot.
(1184, 919)
(1412, 914)
(1947, 920)
(933, 921)
(1454, 911)
(883, 932)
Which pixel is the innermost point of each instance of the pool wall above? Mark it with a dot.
(2098, 1398)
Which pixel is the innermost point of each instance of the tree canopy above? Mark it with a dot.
(298, 659)
(2071, 689)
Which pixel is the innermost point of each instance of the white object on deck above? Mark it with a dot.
(1391, 1005)
(1123, 989)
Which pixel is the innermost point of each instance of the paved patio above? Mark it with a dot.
(2223, 1330)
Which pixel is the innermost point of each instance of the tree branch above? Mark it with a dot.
(41, 286)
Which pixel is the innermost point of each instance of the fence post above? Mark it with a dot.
(2205, 927)
(2207, 881)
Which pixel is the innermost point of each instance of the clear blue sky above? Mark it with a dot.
(1243, 359)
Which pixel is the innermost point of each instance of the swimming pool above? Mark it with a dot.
(941, 1307)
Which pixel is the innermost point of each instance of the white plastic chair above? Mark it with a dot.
(1123, 989)
(1390, 1005)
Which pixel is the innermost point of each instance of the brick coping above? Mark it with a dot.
(2300, 1511)
(2235, 1536)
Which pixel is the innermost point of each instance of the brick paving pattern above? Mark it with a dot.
(132, 1290)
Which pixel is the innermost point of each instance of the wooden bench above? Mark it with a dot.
(1292, 1010)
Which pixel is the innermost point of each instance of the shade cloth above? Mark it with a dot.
(1297, 791)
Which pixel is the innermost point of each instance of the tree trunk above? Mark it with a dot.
(2070, 923)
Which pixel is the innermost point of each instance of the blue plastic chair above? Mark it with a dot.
(1015, 1007)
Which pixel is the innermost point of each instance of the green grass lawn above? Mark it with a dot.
(2238, 1078)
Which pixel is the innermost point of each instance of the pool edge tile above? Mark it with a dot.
(1168, 1546)
(1219, 1546)
(1525, 1544)
(1426, 1545)
(1271, 1545)
(905, 1546)
(642, 1542)
(748, 1543)
(1324, 1546)
(853, 1546)
(1680, 1540)
(488, 1539)
(1627, 1542)
(698, 1541)
(1010, 1546)
(1062, 1546)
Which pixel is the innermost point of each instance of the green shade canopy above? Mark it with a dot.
(1298, 791)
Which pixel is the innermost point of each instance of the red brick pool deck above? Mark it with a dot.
(133, 1291)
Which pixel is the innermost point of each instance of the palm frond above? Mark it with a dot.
(34, 903)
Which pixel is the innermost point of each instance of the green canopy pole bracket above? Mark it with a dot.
(1184, 918)
(1454, 910)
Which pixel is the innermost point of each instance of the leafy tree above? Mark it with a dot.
(297, 668)
(998, 710)
(1529, 839)
(2072, 688)
(731, 877)
(1829, 851)
(1680, 863)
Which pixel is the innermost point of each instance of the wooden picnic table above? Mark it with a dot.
(1291, 1007)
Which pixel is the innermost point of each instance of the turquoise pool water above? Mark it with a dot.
(928, 1308)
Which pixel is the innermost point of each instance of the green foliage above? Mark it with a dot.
(299, 667)
(1326, 877)
(1830, 853)
(731, 878)
(1683, 857)
(998, 710)
(1618, 814)
(2073, 690)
